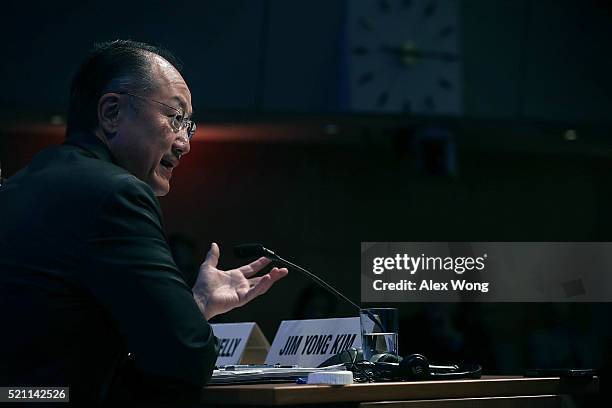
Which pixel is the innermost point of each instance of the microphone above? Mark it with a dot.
(258, 250)
(253, 251)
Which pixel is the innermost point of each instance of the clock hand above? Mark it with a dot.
(407, 52)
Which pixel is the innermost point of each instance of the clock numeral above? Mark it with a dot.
(366, 24)
(382, 99)
(429, 103)
(365, 78)
(445, 84)
(430, 9)
(384, 6)
(360, 50)
(447, 31)
(448, 57)
(406, 106)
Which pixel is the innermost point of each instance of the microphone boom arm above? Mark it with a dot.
(253, 250)
(318, 280)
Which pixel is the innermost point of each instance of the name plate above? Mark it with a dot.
(240, 343)
(308, 343)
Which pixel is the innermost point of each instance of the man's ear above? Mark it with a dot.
(108, 113)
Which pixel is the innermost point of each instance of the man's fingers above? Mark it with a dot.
(212, 258)
(265, 282)
(254, 281)
(278, 273)
(254, 267)
(275, 274)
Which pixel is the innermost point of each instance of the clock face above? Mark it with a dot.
(403, 56)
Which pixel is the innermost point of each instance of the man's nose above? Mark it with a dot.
(181, 144)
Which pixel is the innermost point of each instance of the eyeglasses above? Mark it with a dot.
(178, 122)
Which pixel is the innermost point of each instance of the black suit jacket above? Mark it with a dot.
(86, 277)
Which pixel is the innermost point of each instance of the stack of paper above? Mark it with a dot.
(266, 374)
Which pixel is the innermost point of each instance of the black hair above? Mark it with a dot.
(126, 64)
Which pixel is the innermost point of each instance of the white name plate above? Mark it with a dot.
(240, 343)
(308, 343)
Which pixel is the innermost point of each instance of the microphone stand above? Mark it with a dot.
(260, 250)
(318, 280)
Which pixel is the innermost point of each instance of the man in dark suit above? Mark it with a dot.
(90, 297)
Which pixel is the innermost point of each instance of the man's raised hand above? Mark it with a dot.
(217, 291)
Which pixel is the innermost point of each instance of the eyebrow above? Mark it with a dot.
(182, 104)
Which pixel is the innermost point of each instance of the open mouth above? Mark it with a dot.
(167, 164)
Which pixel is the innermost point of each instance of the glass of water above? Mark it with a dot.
(379, 331)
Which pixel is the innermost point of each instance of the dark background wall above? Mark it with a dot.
(280, 160)
(523, 59)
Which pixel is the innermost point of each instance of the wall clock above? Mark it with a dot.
(403, 56)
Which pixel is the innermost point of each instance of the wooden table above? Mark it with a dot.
(485, 392)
